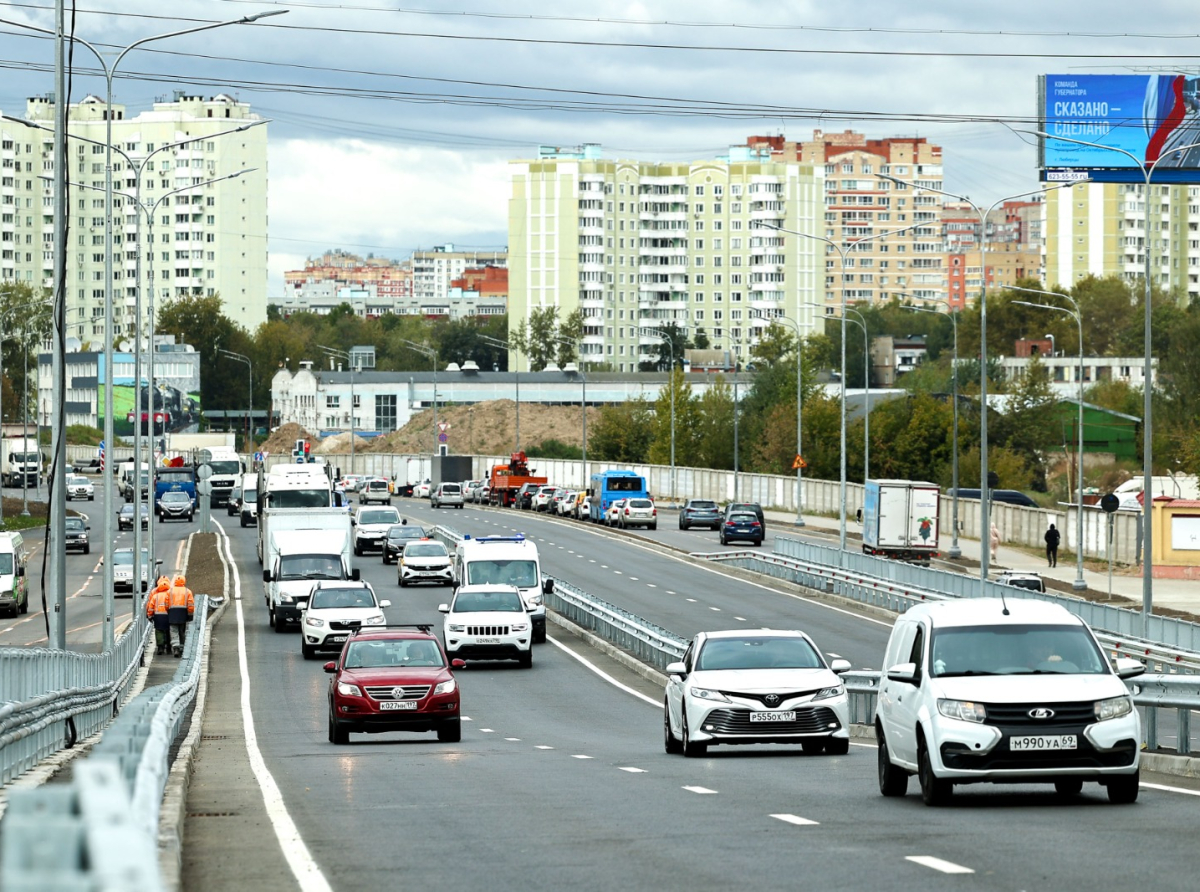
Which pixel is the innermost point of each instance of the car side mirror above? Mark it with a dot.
(1127, 668)
(905, 672)
(331, 666)
(266, 575)
(87, 527)
(443, 608)
(20, 570)
(355, 574)
(456, 663)
(548, 586)
(385, 603)
(840, 666)
(676, 669)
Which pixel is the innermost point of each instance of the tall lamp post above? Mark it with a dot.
(432, 354)
(861, 322)
(58, 578)
(1147, 171)
(955, 552)
(983, 214)
(583, 406)
(795, 326)
(654, 333)
(504, 345)
(843, 251)
(241, 357)
(342, 354)
(1079, 584)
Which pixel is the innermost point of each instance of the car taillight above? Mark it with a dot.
(654, 512)
(755, 523)
(626, 512)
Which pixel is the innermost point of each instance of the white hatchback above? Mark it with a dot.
(767, 686)
(980, 691)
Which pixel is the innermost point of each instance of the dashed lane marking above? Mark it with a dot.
(703, 791)
(543, 747)
(795, 819)
(938, 864)
(581, 757)
(632, 770)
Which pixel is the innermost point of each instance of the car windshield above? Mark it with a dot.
(401, 652)
(758, 652)
(126, 557)
(74, 523)
(403, 531)
(225, 467)
(127, 509)
(640, 503)
(310, 566)
(521, 573)
(168, 476)
(77, 481)
(325, 599)
(176, 497)
(6, 563)
(381, 516)
(625, 484)
(739, 519)
(700, 505)
(300, 498)
(1015, 650)
(488, 602)
(425, 549)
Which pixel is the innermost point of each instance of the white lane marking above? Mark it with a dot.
(938, 864)
(513, 739)
(603, 674)
(796, 819)
(1167, 789)
(581, 757)
(467, 718)
(299, 859)
(740, 619)
(543, 747)
(604, 566)
(618, 572)
(691, 600)
(669, 592)
(703, 791)
(648, 584)
(486, 731)
(829, 654)
(633, 770)
(631, 578)
(718, 609)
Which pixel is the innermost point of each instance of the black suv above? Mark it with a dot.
(399, 535)
(746, 508)
(524, 497)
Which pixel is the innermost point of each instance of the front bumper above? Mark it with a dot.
(368, 543)
(288, 612)
(729, 723)
(363, 715)
(80, 544)
(175, 515)
(466, 649)
(426, 574)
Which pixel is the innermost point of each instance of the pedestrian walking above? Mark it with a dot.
(1053, 537)
(180, 609)
(156, 611)
(995, 537)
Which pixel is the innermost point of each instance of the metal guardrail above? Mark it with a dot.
(100, 830)
(50, 698)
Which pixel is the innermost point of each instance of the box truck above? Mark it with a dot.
(303, 546)
(900, 519)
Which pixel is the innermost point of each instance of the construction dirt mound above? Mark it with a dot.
(340, 443)
(283, 439)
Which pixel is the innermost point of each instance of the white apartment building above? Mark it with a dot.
(207, 240)
(433, 270)
(635, 245)
(1064, 371)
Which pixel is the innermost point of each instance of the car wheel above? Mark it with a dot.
(893, 781)
(270, 617)
(243, 520)
(87, 549)
(338, 735)
(671, 743)
(682, 525)
(837, 746)
(1068, 787)
(280, 625)
(1123, 789)
(539, 635)
(654, 526)
(400, 581)
(357, 550)
(525, 660)
(934, 790)
(91, 498)
(723, 542)
(450, 731)
(691, 749)
(813, 747)
(308, 652)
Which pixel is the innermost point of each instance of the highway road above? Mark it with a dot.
(561, 779)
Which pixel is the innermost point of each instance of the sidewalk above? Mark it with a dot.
(1173, 594)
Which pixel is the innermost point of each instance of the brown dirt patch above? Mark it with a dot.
(205, 572)
(283, 440)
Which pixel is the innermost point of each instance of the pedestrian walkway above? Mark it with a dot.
(1176, 594)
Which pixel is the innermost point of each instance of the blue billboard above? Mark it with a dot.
(1153, 117)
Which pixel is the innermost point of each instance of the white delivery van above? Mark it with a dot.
(14, 587)
(505, 560)
(249, 504)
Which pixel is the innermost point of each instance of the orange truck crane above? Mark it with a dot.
(507, 479)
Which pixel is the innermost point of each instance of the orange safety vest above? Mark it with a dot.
(157, 602)
(180, 598)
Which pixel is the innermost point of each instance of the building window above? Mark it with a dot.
(385, 412)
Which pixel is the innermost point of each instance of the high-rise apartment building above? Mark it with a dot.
(207, 240)
(636, 245)
(1100, 229)
(434, 269)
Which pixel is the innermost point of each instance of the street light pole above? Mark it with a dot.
(650, 332)
(583, 407)
(861, 322)
(241, 357)
(504, 345)
(432, 354)
(761, 314)
(342, 354)
(1079, 584)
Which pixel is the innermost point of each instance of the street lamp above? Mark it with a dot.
(955, 552)
(654, 333)
(241, 357)
(432, 354)
(107, 630)
(861, 322)
(504, 345)
(1147, 171)
(1079, 584)
(762, 314)
(342, 354)
(843, 250)
(583, 406)
(984, 506)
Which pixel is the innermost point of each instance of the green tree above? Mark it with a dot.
(201, 322)
(687, 423)
(622, 432)
(714, 446)
(774, 343)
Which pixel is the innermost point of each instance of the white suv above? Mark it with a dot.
(447, 495)
(334, 611)
(488, 622)
(975, 691)
(371, 526)
(375, 489)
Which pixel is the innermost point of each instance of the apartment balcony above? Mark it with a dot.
(680, 251)
(591, 286)
(663, 269)
(591, 267)
(679, 215)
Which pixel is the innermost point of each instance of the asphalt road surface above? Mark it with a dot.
(561, 779)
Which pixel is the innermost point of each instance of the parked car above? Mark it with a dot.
(525, 494)
(79, 487)
(1031, 581)
(610, 516)
(542, 498)
(638, 513)
(700, 513)
(399, 535)
(583, 508)
(743, 527)
(556, 501)
(77, 535)
(742, 687)
(421, 490)
(980, 690)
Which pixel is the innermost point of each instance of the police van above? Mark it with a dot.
(505, 560)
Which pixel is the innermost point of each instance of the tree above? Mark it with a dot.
(774, 343)
(714, 447)
(201, 322)
(701, 341)
(687, 423)
(622, 432)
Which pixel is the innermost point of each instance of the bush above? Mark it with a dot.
(556, 449)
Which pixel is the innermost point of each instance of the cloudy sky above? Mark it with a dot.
(394, 123)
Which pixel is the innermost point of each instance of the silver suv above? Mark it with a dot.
(374, 490)
(447, 495)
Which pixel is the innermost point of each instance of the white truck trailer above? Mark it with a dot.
(900, 519)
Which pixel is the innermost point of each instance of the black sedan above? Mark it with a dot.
(741, 528)
(700, 513)
(77, 534)
(399, 535)
(125, 516)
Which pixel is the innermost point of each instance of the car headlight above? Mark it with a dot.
(348, 690)
(520, 627)
(706, 694)
(1113, 708)
(286, 599)
(445, 687)
(313, 621)
(374, 620)
(825, 693)
(454, 628)
(535, 601)
(963, 710)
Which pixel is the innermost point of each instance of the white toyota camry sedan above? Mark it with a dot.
(766, 686)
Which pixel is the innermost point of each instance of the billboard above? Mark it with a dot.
(1151, 116)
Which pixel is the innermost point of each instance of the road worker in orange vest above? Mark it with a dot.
(180, 609)
(156, 612)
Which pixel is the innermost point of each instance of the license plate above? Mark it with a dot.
(1030, 742)
(789, 716)
(397, 704)
(336, 639)
(487, 640)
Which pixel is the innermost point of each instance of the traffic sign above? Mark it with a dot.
(443, 426)
(443, 438)
(799, 463)
(1110, 503)
(203, 472)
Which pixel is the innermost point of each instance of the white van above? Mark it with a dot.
(249, 504)
(505, 560)
(14, 587)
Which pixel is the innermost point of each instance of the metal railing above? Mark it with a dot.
(100, 830)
